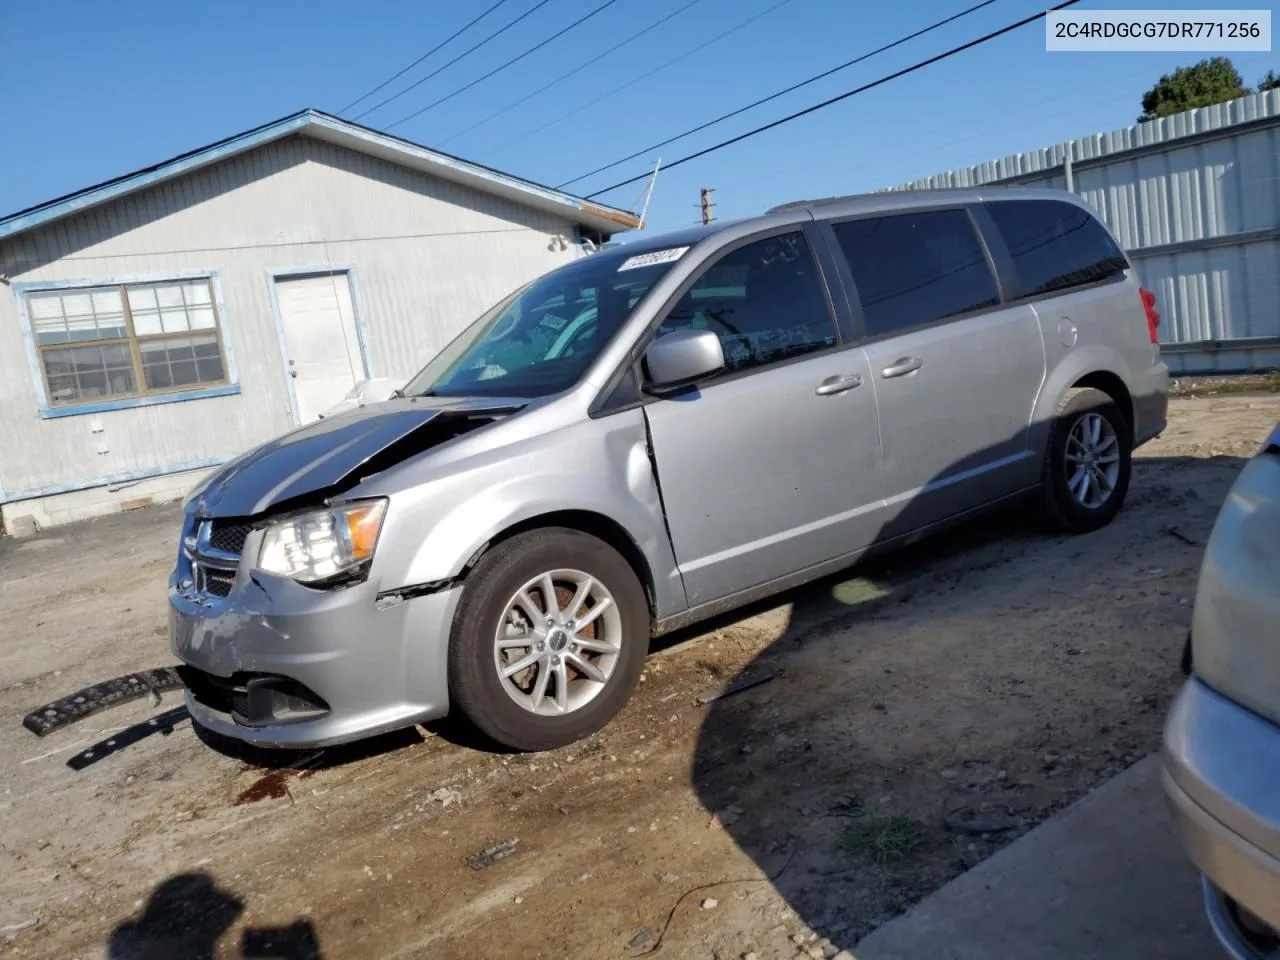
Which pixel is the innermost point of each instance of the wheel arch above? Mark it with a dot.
(593, 524)
(1113, 386)
(1091, 365)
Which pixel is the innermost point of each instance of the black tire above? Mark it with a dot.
(474, 684)
(1061, 508)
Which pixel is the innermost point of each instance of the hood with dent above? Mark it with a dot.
(337, 452)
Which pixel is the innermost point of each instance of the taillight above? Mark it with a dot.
(1153, 317)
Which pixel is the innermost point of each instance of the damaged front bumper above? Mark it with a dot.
(278, 664)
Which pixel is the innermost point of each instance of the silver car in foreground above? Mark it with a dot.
(654, 434)
(1222, 738)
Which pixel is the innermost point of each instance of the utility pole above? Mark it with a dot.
(707, 215)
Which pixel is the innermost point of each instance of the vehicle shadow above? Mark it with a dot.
(831, 778)
(875, 580)
(453, 730)
(187, 915)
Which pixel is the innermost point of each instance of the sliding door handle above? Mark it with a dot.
(901, 367)
(833, 385)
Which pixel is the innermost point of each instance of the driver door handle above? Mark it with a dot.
(901, 367)
(833, 385)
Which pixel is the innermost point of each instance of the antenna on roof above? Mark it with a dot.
(648, 193)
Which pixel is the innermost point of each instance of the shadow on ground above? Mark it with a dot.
(453, 730)
(831, 776)
(187, 916)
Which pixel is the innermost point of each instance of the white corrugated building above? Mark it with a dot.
(156, 325)
(1194, 198)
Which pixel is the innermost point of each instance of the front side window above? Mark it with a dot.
(126, 340)
(764, 301)
(916, 268)
(541, 339)
(1055, 245)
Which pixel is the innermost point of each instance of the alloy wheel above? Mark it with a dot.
(558, 642)
(1092, 460)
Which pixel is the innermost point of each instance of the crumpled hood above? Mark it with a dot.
(332, 451)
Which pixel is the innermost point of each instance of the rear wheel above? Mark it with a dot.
(549, 639)
(1087, 465)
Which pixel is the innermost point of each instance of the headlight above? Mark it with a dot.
(323, 544)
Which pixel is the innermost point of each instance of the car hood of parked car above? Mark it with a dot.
(332, 455)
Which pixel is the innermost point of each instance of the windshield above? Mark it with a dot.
(542, 338)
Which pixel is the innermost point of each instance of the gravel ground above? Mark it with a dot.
(921, 711)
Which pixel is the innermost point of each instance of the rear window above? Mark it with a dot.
(1055, 245)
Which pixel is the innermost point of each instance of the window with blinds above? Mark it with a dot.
(126, 340)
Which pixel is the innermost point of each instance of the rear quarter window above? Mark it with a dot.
(1055, 246)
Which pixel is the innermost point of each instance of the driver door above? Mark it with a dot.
(774, 466)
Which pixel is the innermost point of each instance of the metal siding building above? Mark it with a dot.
(1195, 200)
(422, 252)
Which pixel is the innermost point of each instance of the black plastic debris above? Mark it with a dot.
(162, 723)
(499, 851)
(100, 696)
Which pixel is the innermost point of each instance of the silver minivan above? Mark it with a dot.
(1221, 761)
(654, 434)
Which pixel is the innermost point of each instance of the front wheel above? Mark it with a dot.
(549, 639)
(1087, 465)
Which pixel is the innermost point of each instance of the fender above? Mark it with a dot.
(1075, 366)
(437, 529)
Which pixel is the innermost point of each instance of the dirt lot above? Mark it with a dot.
(923, 710)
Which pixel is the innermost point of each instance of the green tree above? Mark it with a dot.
(1269, 82)
(1208, 82)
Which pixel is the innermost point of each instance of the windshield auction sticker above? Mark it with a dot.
(1176, 30)
(654, 256)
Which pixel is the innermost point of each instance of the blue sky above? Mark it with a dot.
(97, 89)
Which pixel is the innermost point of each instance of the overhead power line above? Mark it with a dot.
(645, 76)
(516, 59)
(1029, 109)
(465, 53)
(1032, 110)
(781, 93)
(445, 42)
(845, 96)
(578, 69)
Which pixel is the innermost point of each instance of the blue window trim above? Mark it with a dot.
(357, 309)
(49, 412)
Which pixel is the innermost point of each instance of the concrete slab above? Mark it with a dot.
(1106, 879)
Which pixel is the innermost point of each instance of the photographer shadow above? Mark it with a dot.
(188, 915)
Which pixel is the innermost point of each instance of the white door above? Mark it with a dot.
(322, 348)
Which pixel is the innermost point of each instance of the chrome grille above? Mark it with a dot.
(210, 557)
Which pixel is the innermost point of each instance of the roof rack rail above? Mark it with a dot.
(823, 201)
